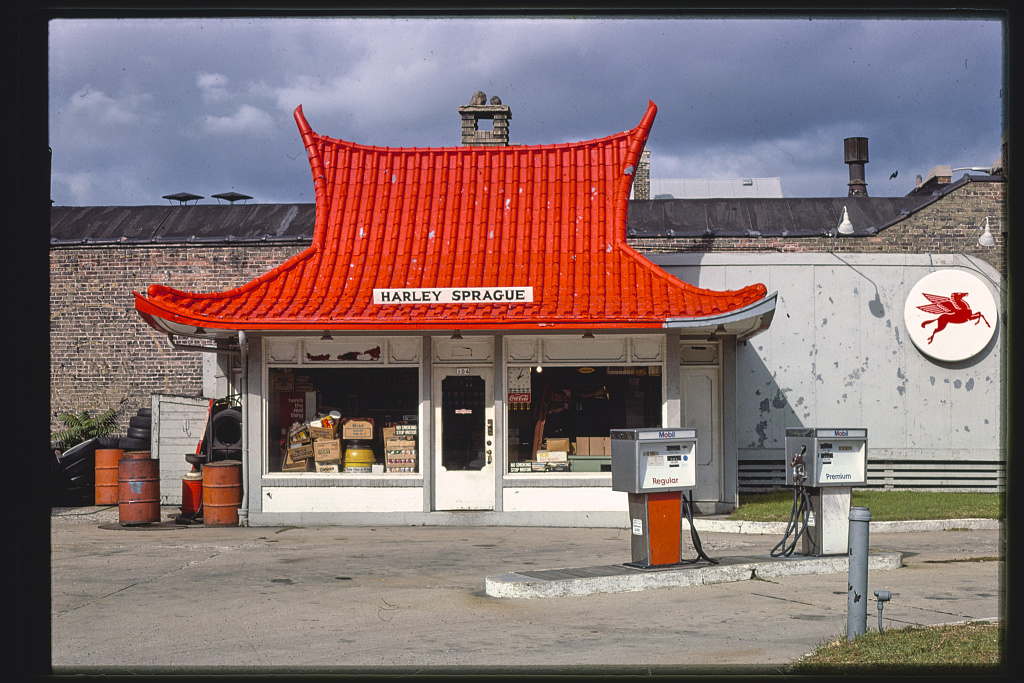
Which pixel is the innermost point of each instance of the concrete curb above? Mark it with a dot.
(620, 579)
(729, 526)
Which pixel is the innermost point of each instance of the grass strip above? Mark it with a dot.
(885, 506)
(973, 646)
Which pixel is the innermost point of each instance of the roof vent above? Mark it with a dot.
(478, 110)
(856, 155)
(231, 197)
(182, 197)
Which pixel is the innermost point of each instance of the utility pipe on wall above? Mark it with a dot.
(243, 510)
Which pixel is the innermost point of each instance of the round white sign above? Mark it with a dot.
(950, 315)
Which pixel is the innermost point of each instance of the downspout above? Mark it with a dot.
(243, 510)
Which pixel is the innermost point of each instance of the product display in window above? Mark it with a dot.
(559, 418)
(333, 424)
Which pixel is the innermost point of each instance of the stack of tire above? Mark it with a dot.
(140, 433)
(73, 472)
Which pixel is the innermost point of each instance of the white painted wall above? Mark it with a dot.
(837, 354)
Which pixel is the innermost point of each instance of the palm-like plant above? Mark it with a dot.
(82, 427)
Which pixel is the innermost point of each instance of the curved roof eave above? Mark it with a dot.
(744, 322)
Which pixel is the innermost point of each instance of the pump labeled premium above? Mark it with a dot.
(822, 465)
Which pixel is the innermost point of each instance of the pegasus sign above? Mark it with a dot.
(950, 314)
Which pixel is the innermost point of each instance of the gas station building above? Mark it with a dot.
(493, 311)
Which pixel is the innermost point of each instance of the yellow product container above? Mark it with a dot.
(358, 457)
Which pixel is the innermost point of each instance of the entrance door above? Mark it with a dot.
(699, 393)
(463, 439)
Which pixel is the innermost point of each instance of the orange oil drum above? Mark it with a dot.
(222, 492)
(106, 475)
(138, 491)
(136, 455)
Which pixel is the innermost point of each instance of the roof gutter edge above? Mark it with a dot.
(747, 321)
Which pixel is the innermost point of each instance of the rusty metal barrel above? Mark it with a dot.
(138, 491)
(136, 455)
(106, 475)
(222, 492)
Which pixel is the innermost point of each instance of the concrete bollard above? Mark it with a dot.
(857, 591)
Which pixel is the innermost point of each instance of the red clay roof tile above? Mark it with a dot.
(550, 217)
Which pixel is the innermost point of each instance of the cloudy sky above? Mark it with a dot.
(140, 108)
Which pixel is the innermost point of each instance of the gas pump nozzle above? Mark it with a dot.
(797, 463)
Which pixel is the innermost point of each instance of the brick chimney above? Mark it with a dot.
(642, 177)
(478, 109)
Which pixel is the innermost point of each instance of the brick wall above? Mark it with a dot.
(101, 352)
(947, 226)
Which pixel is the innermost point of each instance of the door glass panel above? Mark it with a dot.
(463, 420)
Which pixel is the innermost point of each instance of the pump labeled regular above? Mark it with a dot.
(652, 460)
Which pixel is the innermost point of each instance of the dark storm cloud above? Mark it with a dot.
(142, 108)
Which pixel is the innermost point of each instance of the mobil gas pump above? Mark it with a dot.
(822, 466)
(655, 467)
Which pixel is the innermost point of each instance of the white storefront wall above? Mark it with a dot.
(550, 498)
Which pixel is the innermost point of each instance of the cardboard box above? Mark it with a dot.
(323, 432)
(299, 434)
(300, 452)
(552, 456)
(290, 464)
(356, 428)
(582, 446)
(327, 451)
(600, 445)
(327, 468)
(556, 444)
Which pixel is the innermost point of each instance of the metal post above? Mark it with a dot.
(856, 598)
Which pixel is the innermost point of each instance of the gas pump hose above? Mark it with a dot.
(688, 511)
(798, 515)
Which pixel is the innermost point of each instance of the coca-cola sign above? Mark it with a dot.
(950, 315)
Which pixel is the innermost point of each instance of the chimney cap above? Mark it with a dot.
(855, 150)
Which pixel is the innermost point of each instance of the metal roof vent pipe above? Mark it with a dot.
(855, 152)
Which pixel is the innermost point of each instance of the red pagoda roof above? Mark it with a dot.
(534, 237)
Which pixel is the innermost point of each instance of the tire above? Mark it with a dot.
(80, 466)
(109, 441)
(226, 429)
(80, 457)
(140, 421)
(139, 433)
(144, 412)
(130, 444)
(81, 480)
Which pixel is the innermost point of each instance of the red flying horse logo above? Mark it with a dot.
(951, 309)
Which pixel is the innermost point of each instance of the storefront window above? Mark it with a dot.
(344, 420)
(559, 418)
